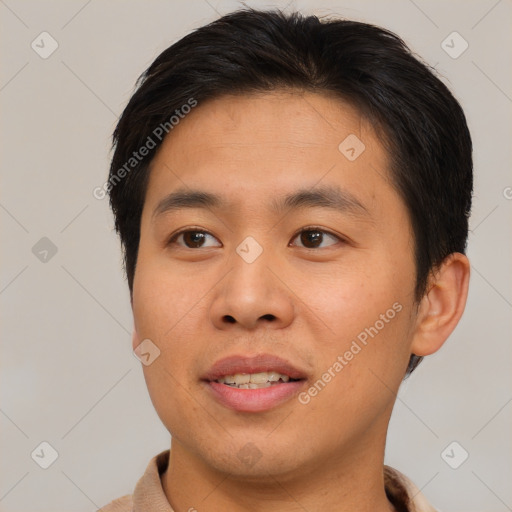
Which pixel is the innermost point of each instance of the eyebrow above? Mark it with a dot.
(317, 197)
(184, 198)
(323, 197)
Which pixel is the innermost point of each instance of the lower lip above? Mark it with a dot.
(254, 400)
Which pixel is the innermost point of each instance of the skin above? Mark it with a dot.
(303, 300)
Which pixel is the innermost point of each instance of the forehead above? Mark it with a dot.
(245, 145)
(304, 118)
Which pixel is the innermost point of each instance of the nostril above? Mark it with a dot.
(231, 320)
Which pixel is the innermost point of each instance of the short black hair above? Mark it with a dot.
(249, 51)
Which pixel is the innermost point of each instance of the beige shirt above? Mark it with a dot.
(149, 496)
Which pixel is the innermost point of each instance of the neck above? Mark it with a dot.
(354, 481)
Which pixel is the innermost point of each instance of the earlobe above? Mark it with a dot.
(442, 305)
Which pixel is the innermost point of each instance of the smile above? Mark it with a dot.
(255, 383)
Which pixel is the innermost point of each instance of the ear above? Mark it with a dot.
(442, 305)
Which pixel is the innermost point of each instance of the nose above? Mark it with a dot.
(252, 295)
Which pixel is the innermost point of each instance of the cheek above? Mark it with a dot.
(367, 319)
(348, 299)
(167, 309)
(359, 369)
(163, 297)
(172, 400)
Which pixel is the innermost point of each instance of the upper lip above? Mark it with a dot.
(232, 365)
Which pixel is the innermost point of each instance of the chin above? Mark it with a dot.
(253, 461)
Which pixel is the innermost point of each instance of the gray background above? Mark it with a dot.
(68, 376)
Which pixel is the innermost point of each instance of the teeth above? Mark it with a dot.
(257, 386)
(253, 380)
(259, 378)
(242, 378)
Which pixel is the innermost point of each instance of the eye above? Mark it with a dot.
(312, 238)
(193, 239)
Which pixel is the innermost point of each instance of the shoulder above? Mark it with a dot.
(123, 504)
(148, 491)
(403, 492)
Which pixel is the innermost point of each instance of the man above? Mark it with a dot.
(292, 197)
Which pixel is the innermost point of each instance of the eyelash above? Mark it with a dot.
(319, 229)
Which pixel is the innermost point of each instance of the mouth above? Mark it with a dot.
(253, 384)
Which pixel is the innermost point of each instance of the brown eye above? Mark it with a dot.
(313, 238)
(193, 239)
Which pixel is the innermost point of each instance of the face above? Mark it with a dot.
(275, 255)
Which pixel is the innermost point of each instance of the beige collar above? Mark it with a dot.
(149, 496)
